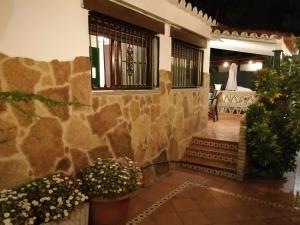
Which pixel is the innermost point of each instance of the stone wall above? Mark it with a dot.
(146, 125)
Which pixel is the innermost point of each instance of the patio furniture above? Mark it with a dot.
(213, 107)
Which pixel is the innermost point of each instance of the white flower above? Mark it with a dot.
(60, 200)
(31, 221)
(7, 222)
(47, 220)
(50, 191)
(47, 214)
(35, 203)
(66, 213)
(52, 207)
(6, 215)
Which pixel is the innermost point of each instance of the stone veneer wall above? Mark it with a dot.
(147, 126)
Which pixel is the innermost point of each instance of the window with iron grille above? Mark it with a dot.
(123, 56)
(187, 65)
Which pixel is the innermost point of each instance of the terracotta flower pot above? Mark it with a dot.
(109, 211)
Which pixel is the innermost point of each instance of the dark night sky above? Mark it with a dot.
(275, 15)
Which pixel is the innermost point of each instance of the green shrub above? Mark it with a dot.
(267, 156)
(273, 123)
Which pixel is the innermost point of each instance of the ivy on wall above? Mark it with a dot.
(15, 98)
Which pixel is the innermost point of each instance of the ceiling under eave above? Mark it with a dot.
(252, 41)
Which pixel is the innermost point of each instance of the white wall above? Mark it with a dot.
(206, 58)
(165, 49)
(44, 30)
(58, 29)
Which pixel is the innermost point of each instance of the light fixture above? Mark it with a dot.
(225, 64)
(250, 62)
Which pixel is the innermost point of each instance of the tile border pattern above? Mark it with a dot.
(149, 211)
(204, 169)
(211, 156)
(216, 144)
(139, 218)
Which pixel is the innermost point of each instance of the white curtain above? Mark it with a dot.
(231, 83)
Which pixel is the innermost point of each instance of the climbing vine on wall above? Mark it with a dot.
(15, 98)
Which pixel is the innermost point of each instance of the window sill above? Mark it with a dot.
(186, 89)
(125, 92)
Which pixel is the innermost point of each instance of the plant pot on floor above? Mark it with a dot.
(109, 211)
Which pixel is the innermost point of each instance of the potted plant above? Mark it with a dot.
(52, 198)
(108, 183)
(15, 208)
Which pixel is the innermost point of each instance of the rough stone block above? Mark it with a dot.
(43, 145)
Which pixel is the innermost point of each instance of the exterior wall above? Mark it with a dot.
(165, 49)
(45, 51)
(28, 27)
(146, 126)
(44, 30)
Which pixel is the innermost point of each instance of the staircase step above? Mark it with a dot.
(220, 144)
(211, 153)
(213, 164)
(214, 171)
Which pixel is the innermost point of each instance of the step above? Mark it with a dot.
(215, 143)
(211, 153)
(213, 150)
(214, 171)
(213, 164)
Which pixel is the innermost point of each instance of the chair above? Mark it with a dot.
(213, 107)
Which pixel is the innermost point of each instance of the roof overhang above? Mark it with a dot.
(177, 14)
(255, 42)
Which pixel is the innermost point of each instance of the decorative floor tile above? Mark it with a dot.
(214, 215)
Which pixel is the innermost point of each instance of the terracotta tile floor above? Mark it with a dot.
(226, 128)
(200, 205)
(222, 201)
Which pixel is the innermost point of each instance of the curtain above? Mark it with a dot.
(231, 83)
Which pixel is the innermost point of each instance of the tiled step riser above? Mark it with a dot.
(215, 144)
(204, 169)
(205, 155)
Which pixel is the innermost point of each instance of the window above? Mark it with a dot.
(187, 65)
(123, 56)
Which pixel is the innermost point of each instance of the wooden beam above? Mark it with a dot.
(120, 12)
(189, 37)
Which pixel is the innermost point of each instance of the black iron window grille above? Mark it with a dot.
(123, 56)
(187, 65)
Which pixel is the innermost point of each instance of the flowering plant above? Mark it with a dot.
(15, 208)
(110, 178)
(52, 197)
